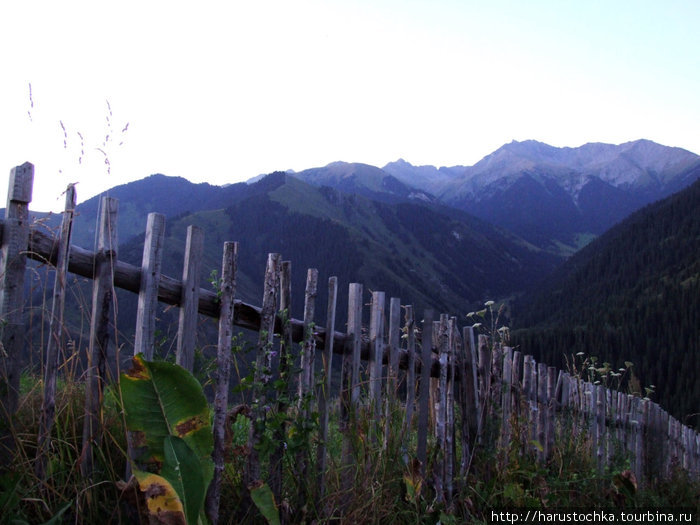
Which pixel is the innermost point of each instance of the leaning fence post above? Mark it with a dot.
(103, 310)
(187, 326)
(15, 241)
(148, 290)
(53, 346)
(223, 373)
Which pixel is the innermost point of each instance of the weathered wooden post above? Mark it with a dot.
(101, 326)
(308, 349)
(441, 408)
(506, 395)
(450, 409)
(15, 241)
(187, 326)
(53, 346)
(223, 374)
(285, 361)
(376, 338)
(424, 391)
(411, 369)
(551, 411)
(323, 402)
(350, 388)
(484, 376)
(542, 410)
(148, 290)
(305, 385)
(392, 378)
(468, 403)
(263, 367)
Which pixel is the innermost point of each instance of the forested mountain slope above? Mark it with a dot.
(633, 294)
(449, 261)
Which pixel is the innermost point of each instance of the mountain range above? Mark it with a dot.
(555, 198)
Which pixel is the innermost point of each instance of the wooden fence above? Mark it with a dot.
(472, 389)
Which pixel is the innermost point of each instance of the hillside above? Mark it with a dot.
(633, 294)
(448, 261)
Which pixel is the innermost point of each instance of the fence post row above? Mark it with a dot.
(495, 384)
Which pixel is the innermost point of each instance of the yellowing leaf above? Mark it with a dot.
(162, 501)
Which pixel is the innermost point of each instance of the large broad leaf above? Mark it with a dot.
(163, 399)
(182, 469)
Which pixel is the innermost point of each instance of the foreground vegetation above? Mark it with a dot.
(386, 483)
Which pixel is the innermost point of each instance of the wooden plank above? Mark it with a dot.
(54, 343)
(467, 406)
(285, 362)
(441, 448)
(409, 327)
(229, 267)
(506, 397)
(424, 392)
(324, 398)
(599, 426)
(13, 256)
(541, 410)
(392, 377)
(263, 366)
(527, 396)
(151, 264)
(355, 337)
(450, 410)
(551, 410)
(484, 382)
(101, 329)
(475, 366)
(469, 391)
(351, 385)
(187, 326)
(308, 350)
(516, 380)
(376, 337)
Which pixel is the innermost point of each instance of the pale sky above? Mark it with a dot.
(223, 91)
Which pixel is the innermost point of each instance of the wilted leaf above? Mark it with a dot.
(164, 505)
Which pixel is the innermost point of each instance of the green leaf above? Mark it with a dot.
(183, 471)
(264, 499)
(163, 399)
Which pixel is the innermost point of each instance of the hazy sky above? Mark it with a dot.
(223, 91)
